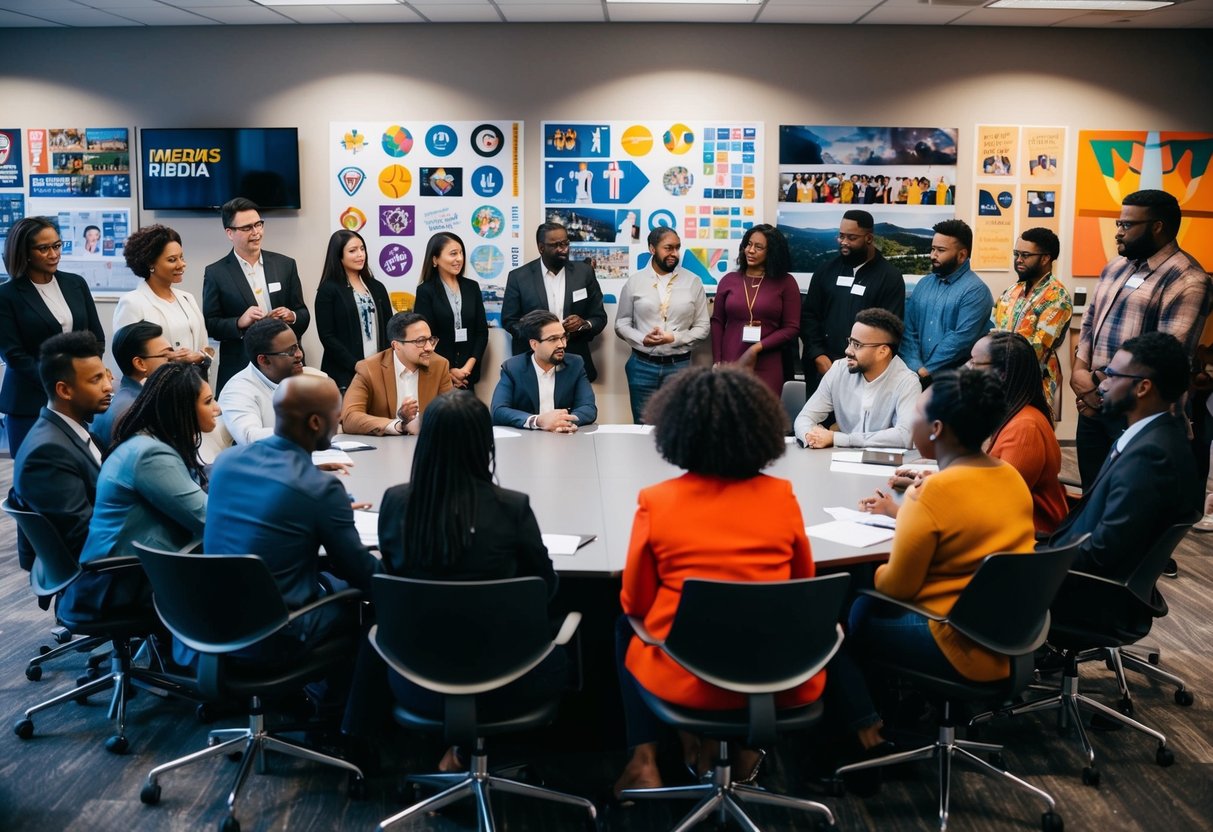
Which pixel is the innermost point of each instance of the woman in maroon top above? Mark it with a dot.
(757, 310)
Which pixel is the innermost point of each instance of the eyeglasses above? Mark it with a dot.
(855, 345)
(555, 339)
(167, 354)
(47, 248)
(975, 364)
(559, 244)
(420, 343)
(245, 229)
(1108, 372)
(851, 238)
(289, 352)
(754, 247)
(1024, 255)
(1125, 225)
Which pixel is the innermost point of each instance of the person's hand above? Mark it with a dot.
(923, 372)
(574, 323)
(283, 314)
(557, 421)
(1085, 385)
(341, 468)
(250, 317)
(822, 363)
(361, 507)
(819, 437)
(459, 377)
(749, 358)
(409, 408)
(657, 337)
(879, 503)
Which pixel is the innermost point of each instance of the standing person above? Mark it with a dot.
(37, 302)
(662, 315)
(757, 311)
(1152, 285)
(454, 307)
(155, 254)
(352, 308)
(247, 285)
(1038, 306)
(567, 289)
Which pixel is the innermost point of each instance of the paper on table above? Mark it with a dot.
(331, 455)
(640, 429)
(352, 445)
(853, 516)
(849, 534)
(561, 544)
(844, 466)
(367, 524)
(504, 433)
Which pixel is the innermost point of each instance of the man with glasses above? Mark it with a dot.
(247, 285)
(871, 391)
(139, 349)
(547, 388)
(567, 289)
(1152, 285)
(858, 278)
(1038, 306)
(274, 355)
(392, 388)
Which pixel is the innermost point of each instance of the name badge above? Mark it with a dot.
(1135, 281)
(275, 287)
(751, 334)
(858, 290)
(580, 294)
(846, 280)
(461, 335)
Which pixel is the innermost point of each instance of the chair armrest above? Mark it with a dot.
(111, 564)
(344, 595)
(567, 628)
(905, 605)
(642, 633)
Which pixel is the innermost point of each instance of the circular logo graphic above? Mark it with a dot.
(487, 261)
(637, 140)
(487, 180)
(678, 139)
(352, 219)
(441, 140)
(487, 221)
(661, 219)
(487, 140)
(395, 181)
(395, 260)
(397, 141)
(1005, 199)
(678, 180)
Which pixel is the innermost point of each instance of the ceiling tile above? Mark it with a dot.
(811, 14)
(543, 13)
(680, 13)
(476, 12)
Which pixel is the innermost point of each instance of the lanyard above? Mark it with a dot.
(663, 307)
(749, 302)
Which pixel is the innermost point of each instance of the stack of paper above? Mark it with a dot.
(849, 534)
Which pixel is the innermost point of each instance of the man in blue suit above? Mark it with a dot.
(546, 388)
(55, 473)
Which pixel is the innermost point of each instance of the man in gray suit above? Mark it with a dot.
(567, 289)
(246, 286)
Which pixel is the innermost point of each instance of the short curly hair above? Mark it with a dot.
(144, 247)
(720, 423)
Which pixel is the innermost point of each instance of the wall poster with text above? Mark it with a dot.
(79, 162)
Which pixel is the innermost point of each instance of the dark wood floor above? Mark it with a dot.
(63, 779)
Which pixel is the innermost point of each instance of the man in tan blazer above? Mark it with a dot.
(391, 389)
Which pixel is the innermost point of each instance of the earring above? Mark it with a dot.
(931, 437)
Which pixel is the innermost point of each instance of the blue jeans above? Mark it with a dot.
(644, 377)
(641, 724)
(884, 632)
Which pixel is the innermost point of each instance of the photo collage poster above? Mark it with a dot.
(398, 183)
(1113, 164)
(612, 182)
(904, 176)
(1018, 180)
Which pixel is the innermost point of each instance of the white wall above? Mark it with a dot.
(307, 76)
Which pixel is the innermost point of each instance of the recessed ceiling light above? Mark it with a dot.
(1084, 5)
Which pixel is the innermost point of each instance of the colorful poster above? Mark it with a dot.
(997, 150)
(93, 245)
(904, 176)
(10, 159)
(1113, 164)
(73, 162)
(611, 183)
(994, 227)
(12, 208)
(1043, 154)
(398, 183)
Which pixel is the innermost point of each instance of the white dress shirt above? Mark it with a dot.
(247, 402)
(255, 274)
(640, 309)
(52, 296)
(553, 283)
(547, 391)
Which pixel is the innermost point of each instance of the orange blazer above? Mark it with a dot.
(370, 400)
(696, 526)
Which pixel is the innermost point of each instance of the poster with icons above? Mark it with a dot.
(612, 182)
(397, 183)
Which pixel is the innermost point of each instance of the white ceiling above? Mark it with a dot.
(92, 13)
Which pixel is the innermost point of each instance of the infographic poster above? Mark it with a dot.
(94, 241)
(79, 163)
(612, 182)
(398, 183)
(10, 159)
(904, 176)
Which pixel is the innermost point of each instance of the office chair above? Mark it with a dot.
(218, 605)
(1092, 613)
(793, 396)
(1004, 608)
(464, 656)
(781, 635)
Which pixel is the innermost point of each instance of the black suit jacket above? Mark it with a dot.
(524, 291)
(226, 295)
(433, 303)
(1135, 496)
(55, 474)
(25, 322)
(340, 329)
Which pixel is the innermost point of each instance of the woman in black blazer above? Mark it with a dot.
(441, 290)
(38, 302)
(352, 308)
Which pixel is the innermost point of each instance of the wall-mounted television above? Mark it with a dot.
(202, 168)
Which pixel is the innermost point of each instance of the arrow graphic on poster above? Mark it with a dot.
(607, 182)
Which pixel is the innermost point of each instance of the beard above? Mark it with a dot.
(857, 257)
(1139, 249)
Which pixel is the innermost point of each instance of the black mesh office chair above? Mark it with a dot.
(219, 605)
(53, 571)
(1004, 608)
(1092, 613)
(463, 656)
(781, 635)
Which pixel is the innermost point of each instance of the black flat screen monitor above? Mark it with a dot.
(202, 168)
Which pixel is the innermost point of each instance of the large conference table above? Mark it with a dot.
(586, 483)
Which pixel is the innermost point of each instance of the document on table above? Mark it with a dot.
(867, 519)
(643, 430)
(367, 524)
(848, 462)
(566, 544)
(352, 445)
(331, 455)
(504, 433)
(849, 534)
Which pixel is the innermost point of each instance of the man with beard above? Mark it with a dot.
(1152, 285)
(858, 278)
(1038, 306)
(248, 400)
(949, 309)
(871, 392)
(545, 389)
(1148, 480)
(662, 315)
(567, 289)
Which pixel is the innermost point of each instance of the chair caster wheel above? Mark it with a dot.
(1164, 756)
(33, 673)
(356, 788)
(229, 824)
(1183, 697)
(150, 794)
(1052, 822)
(1090, 776)
(117, 744)
(43, 649)
(24, 728)
(1153, 657)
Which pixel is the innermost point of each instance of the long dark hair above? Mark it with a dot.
(333, 269)
(454, 452)
(1013, 361)
(779, 259)
(167, 409)
(433, 248)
